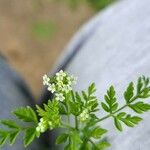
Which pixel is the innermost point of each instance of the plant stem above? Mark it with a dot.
(92, 143)
(76, 123)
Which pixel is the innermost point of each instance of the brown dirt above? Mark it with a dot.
(30, 56)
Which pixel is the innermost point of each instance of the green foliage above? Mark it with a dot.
(26, 114)
(97, 132)
(86, 132)
(30, 134)
(127, 119)
(111, 103)
(50, 114)
(128, 94)
(11, 129)
(62, 138)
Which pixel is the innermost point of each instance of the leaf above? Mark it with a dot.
(3, 137)
(3, 140)
(62, 109)
(128, 94)
(13, 135)
(140, 107)
(105, 107)
(40, 111)
(139, 85)
(145, 93)
(91, 89)
(103, 144)
(78, 97)
(97, 132)
(62, 138)
(10, 124)
(110, 99)
(84, 95)
(75, 140)
(26, 114)
(74, 108)
(120, 115)
(117, 124)
(129, 120)
(29, 136)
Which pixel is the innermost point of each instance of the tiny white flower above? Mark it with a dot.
(50, 123)
(59, 78)
(51, 88)
(66, 88)
(60, 85)
(41, 120)
(60, 75)
(43, 129)
(40, 124)
(59, 97)
(46, 80)
(38, 129)
(84, 115)
(73, 79)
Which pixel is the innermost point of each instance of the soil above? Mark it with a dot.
(31, 56)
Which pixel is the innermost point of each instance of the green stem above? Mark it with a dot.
(76, 123)
(92, 143)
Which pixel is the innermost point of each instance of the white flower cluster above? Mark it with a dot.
(60, 84)
(84, 115)
(44, 125)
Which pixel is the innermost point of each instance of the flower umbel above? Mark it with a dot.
(46, 80)
(59, 97)
(84, 115)
(60, 84)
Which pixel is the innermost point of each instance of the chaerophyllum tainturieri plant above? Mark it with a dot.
(76, 113)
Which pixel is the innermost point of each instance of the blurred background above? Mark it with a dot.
(33, 33)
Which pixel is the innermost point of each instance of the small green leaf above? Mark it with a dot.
(128, 94)
(114, 107)
(30, 135)
(62, 138)
(139, 85)
(105, 107)
(62, 109)
(84, 95)
(3, 140)
(118, 124)
(91, 89)
(140, 107)
(10, 124)
(129, 120)
(26, 114)
(98, 132)
(3, 137)
(103, 144)
(78, 97)
(74, 108)
(13, 135)
(120, 115)
(110, 99)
